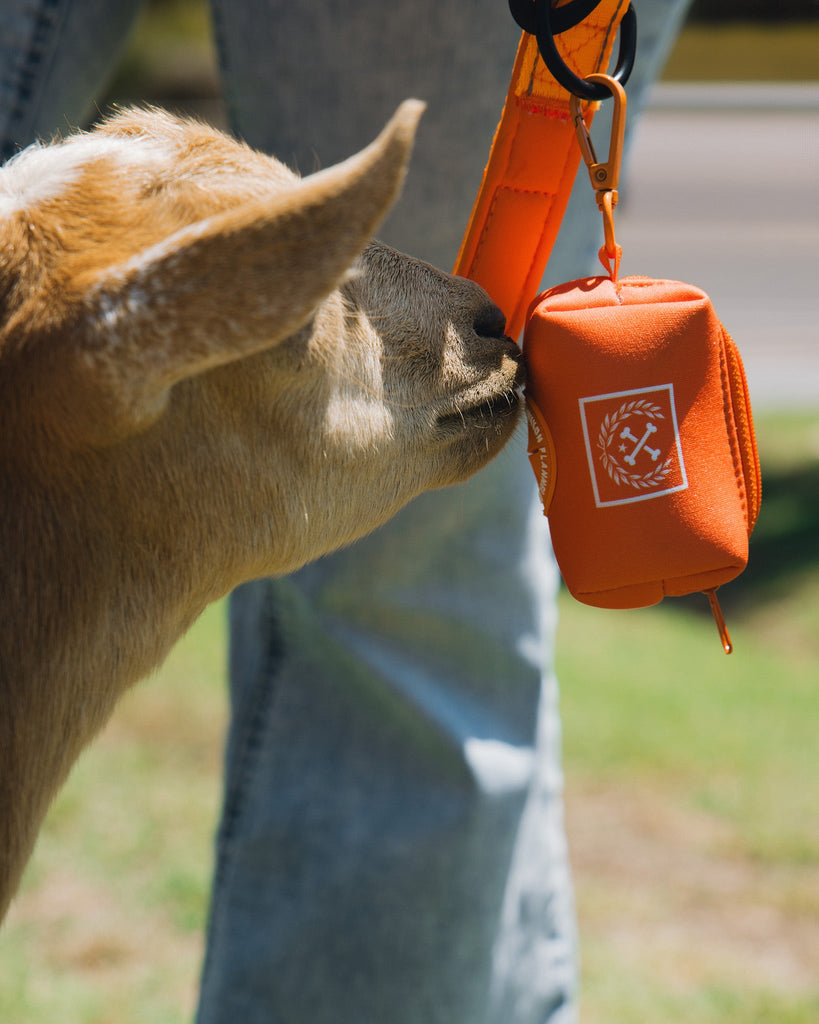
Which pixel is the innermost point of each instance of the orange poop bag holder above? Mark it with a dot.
(641, 440)
(640, 429)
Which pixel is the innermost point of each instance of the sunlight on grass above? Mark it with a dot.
(647, 992)
(693, 780)
(108, 928)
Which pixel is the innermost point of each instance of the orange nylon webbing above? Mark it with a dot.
(531, 168)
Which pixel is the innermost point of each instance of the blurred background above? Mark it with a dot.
(692, 779)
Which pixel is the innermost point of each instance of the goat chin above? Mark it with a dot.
(210, 372)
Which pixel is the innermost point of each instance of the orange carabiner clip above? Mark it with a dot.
(605, 176)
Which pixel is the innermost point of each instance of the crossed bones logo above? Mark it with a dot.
(633, 445)
(627, 435)
(618, 444)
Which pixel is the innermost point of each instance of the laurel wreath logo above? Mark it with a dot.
(608, 428)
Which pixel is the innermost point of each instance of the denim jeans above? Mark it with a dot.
(391, 847)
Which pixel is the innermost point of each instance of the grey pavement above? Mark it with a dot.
(722, 191)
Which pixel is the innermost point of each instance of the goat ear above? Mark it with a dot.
(237, 282)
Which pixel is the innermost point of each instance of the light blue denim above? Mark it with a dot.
(391, 849)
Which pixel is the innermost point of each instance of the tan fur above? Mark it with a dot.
(209, 374)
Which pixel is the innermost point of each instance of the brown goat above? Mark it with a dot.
(209, 373)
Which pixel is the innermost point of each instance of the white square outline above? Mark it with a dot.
(622, 394)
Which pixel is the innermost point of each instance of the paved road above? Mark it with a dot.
(722, 191)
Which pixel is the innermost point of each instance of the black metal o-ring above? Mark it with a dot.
(544, 20)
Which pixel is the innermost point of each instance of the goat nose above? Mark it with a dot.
(490, 322)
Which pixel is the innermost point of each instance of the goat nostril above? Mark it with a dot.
(490, 322)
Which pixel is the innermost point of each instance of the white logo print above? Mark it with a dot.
(633, 437)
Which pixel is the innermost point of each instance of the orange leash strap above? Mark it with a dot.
(531, 168)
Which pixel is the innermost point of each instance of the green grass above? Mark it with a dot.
(706, 769)
(108, 927)
(692, 788)
(699, 774)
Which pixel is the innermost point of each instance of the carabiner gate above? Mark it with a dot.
(604, 175)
